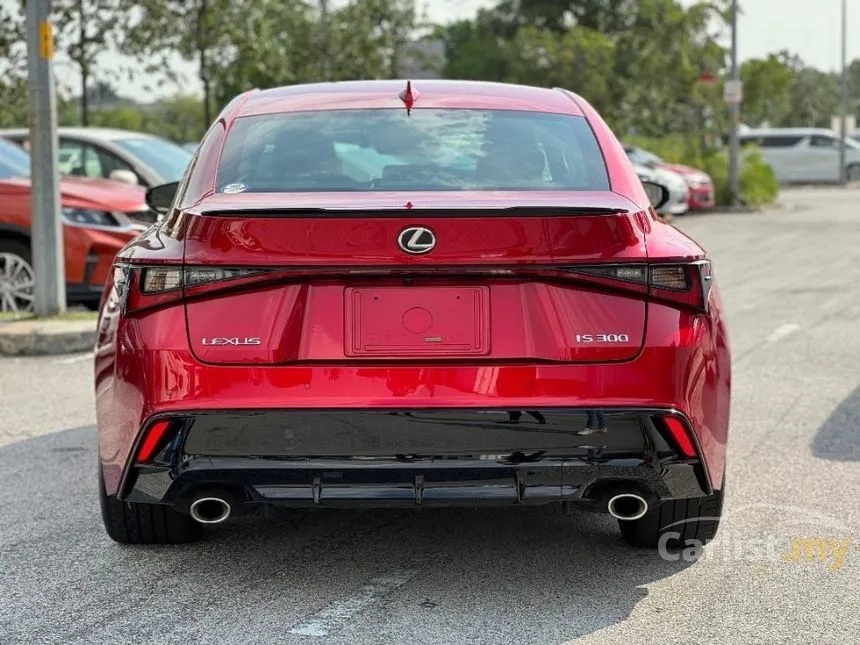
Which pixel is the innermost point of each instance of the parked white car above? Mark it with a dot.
(121, 155)
(804, 154)
(679, 192)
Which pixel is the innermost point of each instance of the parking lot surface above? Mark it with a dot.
(786, 567)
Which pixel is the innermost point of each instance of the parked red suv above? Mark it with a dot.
(99, 218)
(393, 294)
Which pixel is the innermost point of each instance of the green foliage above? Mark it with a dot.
(179, 118)
(13, 85)
(84, 31)
(766, 88)
(578, 57)
(758, 183)
(616, 53)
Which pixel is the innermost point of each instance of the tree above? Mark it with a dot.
(178, 118)
(766, 89)
(13, 66)
(273, 43)
(638, 61)
(282, 43)
(579, 59)
(475, 50)
(85, 30)
(196, 30)
(813, 98)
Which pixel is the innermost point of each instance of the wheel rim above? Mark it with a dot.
(17, 281)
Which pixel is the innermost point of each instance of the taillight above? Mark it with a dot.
(160, 279)
(155, 286)
(687, 284)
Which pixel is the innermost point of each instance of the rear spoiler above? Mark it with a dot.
(509, 211)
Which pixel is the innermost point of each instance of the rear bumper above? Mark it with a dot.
(144, 370)
(414, 457)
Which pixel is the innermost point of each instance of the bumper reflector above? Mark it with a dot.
(679, 433)
(152, 441)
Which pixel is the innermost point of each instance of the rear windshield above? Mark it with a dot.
(431, 149)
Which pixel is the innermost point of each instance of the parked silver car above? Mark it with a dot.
(804, 154)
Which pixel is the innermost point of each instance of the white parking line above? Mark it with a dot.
(782, 331)
(339, 612)
(77, 358)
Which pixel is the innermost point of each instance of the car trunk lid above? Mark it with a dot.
(511, 278)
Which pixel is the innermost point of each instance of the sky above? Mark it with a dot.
(808, 28)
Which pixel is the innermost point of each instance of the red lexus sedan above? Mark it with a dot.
(413, 295)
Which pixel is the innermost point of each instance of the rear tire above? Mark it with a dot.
(852, 173)
(673, 522)
(130, 523)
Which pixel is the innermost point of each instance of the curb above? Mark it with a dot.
(46, 337)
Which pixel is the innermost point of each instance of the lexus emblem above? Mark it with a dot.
(416, 240)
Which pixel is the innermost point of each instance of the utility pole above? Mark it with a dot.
(843, 108)
(47, 228)
(734, 113)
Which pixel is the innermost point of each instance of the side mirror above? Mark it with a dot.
(160, 198)
(125, 176)
(657, 194)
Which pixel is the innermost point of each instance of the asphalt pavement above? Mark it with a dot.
(789, 279)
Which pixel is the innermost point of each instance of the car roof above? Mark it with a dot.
(788, 132)
(428, 93)
(85, 134)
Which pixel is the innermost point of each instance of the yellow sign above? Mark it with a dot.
(46, 40)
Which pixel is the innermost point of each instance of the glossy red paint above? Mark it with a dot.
(154, 361)
(352, 95)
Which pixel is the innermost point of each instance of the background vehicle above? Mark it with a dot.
(121, 155)
(97, 217)
(804, 154)
(700, 184)
(678, 202)
(462, 321)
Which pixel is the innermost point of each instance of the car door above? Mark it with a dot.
(783, 153)
(824, 158)
(110, 163)
(79, 159)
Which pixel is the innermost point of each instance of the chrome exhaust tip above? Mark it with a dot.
(210, 510)
(627, 506)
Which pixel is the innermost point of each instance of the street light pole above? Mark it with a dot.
(47, 228)
(734, 113)
(843, 108)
